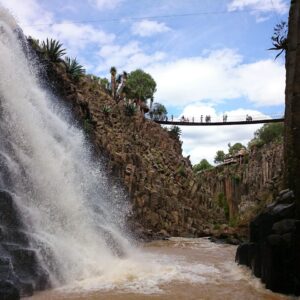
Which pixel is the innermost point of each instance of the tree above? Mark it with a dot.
(203, 165)
(220, 156)
(113, 73)
(266, 134)
(235, 148)
(175, 131)
(279, 38)
(159, 111)
(140, 85)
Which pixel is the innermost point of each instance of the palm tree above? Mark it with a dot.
(113, 73)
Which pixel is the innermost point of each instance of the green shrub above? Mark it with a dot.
(180, 171)
(175, 131)
(222, 202)
(233, 222)
(106, 110)
(87, 126)
(130, 109)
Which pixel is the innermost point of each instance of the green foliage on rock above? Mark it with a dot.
(140, 85)
(222, 202)
(279, 38)
(87, 126)
(106, 110)
(220, 156)
(203, 165)
(74, 68)
(130, 109)
(181, 171)
(159, 111)
(272, 132)
(175, 131)
(53, 50)
(235, 148)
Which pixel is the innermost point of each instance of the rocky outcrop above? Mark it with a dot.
(20, 270)
(292, 104)
(165, 195)
(243, 188)
(273, 250)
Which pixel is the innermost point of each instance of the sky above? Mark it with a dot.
(208, 57)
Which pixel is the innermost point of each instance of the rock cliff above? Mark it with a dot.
(242, 189)
(166, 197)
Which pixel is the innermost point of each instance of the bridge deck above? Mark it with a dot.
(180, 123)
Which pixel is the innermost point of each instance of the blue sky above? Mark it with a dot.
(207, 56)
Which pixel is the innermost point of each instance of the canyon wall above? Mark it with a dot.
(242, 189)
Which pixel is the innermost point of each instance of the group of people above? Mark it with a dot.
(207, 118)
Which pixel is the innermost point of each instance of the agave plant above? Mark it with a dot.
(279, 38)
(106, 110)
(130, 109)
(53, 50)
(74, 68)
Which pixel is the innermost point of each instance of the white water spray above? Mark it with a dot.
(61, 194)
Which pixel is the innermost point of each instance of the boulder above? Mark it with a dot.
(273, 252)
(8, 291)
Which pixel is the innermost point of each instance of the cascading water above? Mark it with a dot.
(61, 194)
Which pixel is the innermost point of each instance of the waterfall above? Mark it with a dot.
(60, 192)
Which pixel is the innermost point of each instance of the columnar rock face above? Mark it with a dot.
(246, 186)
(273, 252)
(292, 112)
(166, 197)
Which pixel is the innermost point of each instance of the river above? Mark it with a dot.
(178, 269)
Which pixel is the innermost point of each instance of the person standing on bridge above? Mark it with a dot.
(201, 118)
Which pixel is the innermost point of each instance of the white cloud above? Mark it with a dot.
(75, 37)
(79, 36)
(203, 142)
(28, 12)
(218, 76)
(262, 7)
(105, 4)
(146, 28)
(127, 57)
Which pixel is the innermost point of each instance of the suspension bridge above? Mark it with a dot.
(217, 122)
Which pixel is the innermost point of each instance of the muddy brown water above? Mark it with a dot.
(171, 270)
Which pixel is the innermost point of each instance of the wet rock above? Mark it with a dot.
(8, 291)
(8, 213)
(284, 226)
(273, 252)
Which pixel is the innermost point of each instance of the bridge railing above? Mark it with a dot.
(218, 119)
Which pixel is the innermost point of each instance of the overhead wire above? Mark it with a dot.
(145, 17)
